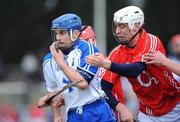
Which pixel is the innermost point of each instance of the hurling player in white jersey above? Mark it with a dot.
(66, 64)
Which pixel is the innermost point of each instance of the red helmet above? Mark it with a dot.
(88, 35)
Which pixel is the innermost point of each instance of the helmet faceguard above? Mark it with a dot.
(61, 31)
(128, 15)
(54, 32)
(123, 42)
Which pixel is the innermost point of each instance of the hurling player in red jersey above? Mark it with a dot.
(157, 90)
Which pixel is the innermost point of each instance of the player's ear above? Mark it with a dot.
(75, 35)
(136, 28)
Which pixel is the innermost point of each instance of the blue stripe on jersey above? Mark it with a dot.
(91, 52)
(67, 82)
(46, 57)
(87, 49)
(86, 75)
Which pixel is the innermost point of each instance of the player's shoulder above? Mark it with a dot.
(47, 57)
(153, 41)
(116, 50)
(85, 46)
(150, 36)
(83, 43)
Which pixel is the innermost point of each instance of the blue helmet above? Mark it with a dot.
(67, 21)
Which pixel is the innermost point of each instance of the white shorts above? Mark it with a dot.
(172, 116)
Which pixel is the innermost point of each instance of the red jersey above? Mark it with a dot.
(158, 92)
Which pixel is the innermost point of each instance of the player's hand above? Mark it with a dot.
(125, 114)
(57, 101)
(58, 119)
(98, 60)
(58, 55)
(154, 57)
(41, 102)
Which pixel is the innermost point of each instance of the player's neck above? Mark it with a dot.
(133, 43)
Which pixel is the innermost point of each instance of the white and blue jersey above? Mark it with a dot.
(55, 79)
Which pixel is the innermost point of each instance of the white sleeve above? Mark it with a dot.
(50, 80)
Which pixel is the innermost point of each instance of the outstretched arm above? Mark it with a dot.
(157, 58)
(125, 114)
(127, 70)
(174, 67)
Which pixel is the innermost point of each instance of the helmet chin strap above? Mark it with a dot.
(66, 50)
(128, 42)
(71, 33)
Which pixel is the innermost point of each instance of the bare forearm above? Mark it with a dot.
(120, 107)
(56, 111)
(74, 76)
(57, 114)
(126, 115)
(174, 67)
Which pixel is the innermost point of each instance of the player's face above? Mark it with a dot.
(63, 39)
(176, 48)
(123, 32)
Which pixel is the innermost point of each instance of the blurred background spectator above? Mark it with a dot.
(8, 113)
(175, 51)
(30, 66)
